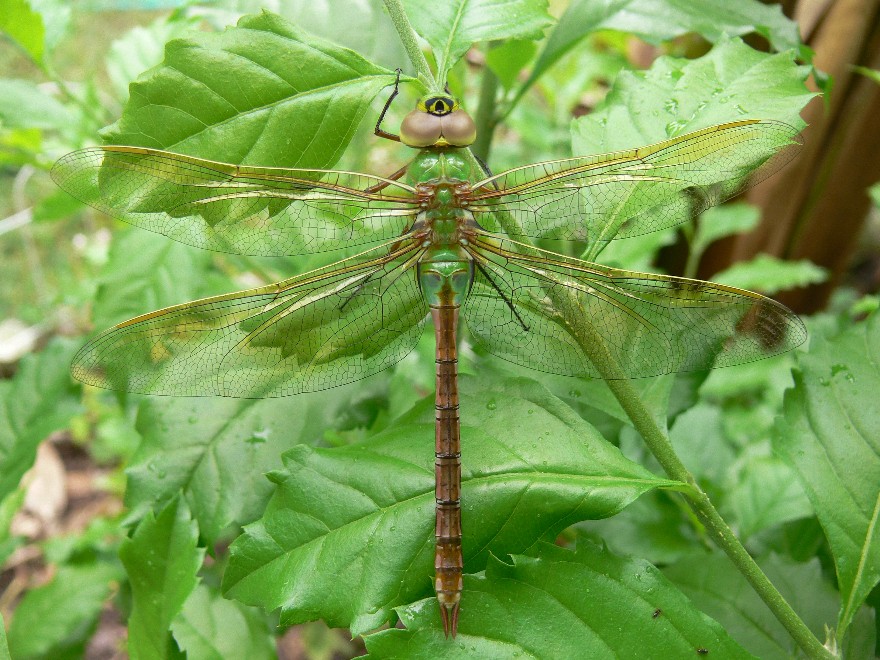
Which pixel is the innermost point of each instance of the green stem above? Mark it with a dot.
(411, 43)
(485, 116)
(720, 532)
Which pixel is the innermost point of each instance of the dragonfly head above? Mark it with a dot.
(438, 121)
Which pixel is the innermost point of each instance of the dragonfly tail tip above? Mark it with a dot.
(450, 619)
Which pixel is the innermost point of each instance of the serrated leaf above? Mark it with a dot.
(720, 590)
(349, 533)
(162, 559)
(40, 399)
(830, 434)
(562, 604)
(212, 628)
(216, 451)
(769, 274)
(452, 27)
(58, 618)
(25, 26)
(658, 20)
(675, 96)
(261, 93)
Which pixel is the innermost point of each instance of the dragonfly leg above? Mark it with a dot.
(485, 168)
(378, 131)
(393, 177)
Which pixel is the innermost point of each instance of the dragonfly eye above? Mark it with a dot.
(439, 106)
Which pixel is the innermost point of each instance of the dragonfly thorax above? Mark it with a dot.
(445, 276)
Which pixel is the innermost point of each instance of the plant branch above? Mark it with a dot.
(659, 445)
(411, 43)
(485, 115)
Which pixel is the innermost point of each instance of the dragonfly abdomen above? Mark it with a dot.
(448, 563)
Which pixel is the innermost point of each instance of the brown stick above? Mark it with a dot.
(448, 562)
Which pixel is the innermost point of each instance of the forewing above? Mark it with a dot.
(325, 328)
(229, 208)
(574, 318)
(628, 193)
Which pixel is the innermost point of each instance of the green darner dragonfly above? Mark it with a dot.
(443, 237)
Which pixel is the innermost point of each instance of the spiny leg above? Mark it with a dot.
(384, 184)
(378, 130)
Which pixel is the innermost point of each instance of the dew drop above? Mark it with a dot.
(491, 405)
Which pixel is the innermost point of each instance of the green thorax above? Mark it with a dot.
(445, 270)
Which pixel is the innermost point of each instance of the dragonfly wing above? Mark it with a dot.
(318, 330)
(628, 193)
(230, 208)
(574, 318)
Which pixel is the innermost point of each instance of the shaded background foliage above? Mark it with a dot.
(787, 447)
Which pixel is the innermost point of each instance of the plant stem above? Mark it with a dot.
(411, 43)
(721, 533)
(485, 115)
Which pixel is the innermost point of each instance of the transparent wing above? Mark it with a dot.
(574, 318)
(230, 208)
(318, 330)
(628, 193)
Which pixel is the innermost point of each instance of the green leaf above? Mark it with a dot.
(59, 617)
(212, 628)
(830, 434)
(349, 533)
(770, 275)
(509, 58)
(722, 221)
(24, 105)
(145, 272)
(658, 20)
(162, 559)
(676, 96)
(4, 648)
(261, 93)
(713, 583)
(191, 445)
(40, 399)
(452, 27)
(767, 493)
(562, 604)
(141, 48)
(25, 26)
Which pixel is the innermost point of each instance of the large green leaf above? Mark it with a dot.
(162, 559)
(830, 434)
(261, 93)
(452, 27)
(349, 533)
(216, 451)
(713, 583)
(562, 604)
(24, 105)
(658, 20)
(40, 399)
(58, 618)
(676, 96)
(210, 627)
(24, 25)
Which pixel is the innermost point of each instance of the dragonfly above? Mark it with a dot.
(442, 238)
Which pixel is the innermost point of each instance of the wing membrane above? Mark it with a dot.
(318, 330)
(574, 318)
(228, 208)
(628, 193)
